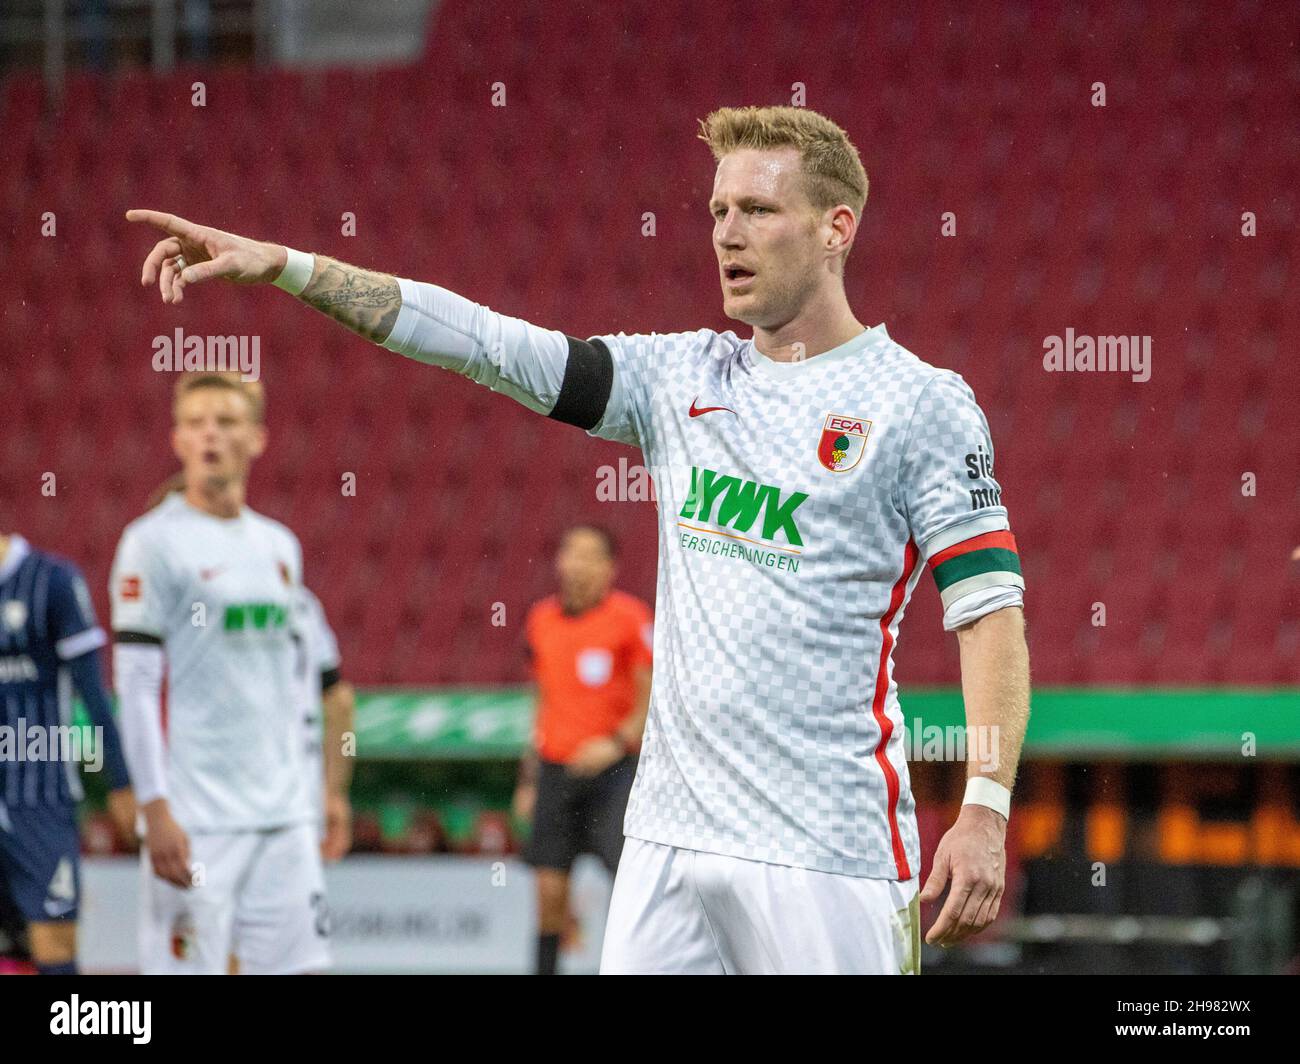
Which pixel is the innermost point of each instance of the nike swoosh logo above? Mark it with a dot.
(696, 411)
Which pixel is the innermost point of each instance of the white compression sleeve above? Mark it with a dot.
(138, 672)
(523, 361)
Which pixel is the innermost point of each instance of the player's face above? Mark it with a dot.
(583, 565)
(215, 437)
(766, 236)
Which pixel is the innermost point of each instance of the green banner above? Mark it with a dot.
(458, 723)
(473, 723)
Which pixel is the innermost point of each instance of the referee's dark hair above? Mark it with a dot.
(610, 540)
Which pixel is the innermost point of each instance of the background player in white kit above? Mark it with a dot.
(207, 588)
(802, 478)
(328, 711)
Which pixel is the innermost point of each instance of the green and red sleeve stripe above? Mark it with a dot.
(986, 560)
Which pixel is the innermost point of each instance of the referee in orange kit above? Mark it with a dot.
(590, 647)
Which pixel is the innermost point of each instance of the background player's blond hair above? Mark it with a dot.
(833, 172)
(251, 390)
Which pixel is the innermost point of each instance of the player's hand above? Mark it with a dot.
(595, 755)
(169, 846)
(524, 801)
(121, 809)
(338, 828)
(972, 855)
(207, 253)
(571, 936)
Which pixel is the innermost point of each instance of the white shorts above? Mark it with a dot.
(260, 897)
(685, 912)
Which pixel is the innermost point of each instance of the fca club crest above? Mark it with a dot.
(842, 443)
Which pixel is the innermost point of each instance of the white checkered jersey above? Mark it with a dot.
(798, 506)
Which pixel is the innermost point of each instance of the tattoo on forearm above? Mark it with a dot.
(365, 301)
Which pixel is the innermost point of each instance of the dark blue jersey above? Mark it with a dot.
(49, 643)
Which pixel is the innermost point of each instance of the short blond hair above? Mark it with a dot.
(833, 172)
(231, 381)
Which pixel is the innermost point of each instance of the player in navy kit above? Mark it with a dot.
(49, 644)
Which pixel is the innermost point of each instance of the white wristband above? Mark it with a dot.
(982, 791)
(297, 272)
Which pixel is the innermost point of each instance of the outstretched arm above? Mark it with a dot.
(363, 300)
(565, 378)
(366, 302)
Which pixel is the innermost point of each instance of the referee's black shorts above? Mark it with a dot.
(579, 814)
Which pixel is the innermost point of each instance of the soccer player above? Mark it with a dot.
(208, 588)
(590, 647)
(806, 477)
(329, 778)
(49, 645)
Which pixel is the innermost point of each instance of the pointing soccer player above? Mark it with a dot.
(806, 478)
(209, 589)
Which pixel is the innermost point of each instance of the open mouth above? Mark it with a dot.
(738, 274)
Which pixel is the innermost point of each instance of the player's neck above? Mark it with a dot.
(4, 549)
(225, 501)
(821, 325)
(576, 604)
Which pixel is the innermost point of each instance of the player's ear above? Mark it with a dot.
(844, 227)
(176, 444)
(259, 441)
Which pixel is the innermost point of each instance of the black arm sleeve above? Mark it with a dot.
(588, 379)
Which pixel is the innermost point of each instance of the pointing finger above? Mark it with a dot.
(169, 223)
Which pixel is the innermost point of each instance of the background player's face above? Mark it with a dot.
(764, 222)
(584, 567)
(215, 437)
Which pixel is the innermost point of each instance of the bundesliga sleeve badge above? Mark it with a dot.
(842, 442)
